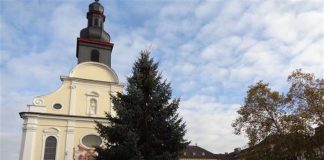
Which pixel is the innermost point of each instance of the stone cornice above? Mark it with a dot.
(60, 116)
(67, 78)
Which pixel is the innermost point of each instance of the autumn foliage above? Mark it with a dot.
(284, 125)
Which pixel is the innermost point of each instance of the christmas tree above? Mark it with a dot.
(147, 125)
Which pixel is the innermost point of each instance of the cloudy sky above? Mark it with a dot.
(210, 51)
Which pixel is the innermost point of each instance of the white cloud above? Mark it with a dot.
(126, 49)
(184, 68)
(66, 22)
(209, 123)
(187, 86)
(223, 51)
(204, 9)
(280, 26)
(10, 38)
(311, 58)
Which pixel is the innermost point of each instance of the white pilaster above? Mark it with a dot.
(69, 140)
(28, 139)
(72, 99)
(22, 144)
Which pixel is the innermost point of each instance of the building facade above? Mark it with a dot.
(61, 125)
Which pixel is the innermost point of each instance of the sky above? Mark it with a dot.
(210, 51)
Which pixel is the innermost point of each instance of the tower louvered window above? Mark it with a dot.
(50, 148)
(95, 55)
(96, 22)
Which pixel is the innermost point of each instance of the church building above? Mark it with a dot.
(61, 125)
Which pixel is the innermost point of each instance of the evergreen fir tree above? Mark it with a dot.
(147, 125)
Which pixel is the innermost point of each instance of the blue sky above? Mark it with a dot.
(210, 51)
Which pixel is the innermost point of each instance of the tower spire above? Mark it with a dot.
(96, 19)
(94, 42)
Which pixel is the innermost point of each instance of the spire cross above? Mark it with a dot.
(96, 0)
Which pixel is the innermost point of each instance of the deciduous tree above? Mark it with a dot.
(282, 126)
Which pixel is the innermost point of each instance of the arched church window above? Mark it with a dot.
(95, 55)
(50, 148)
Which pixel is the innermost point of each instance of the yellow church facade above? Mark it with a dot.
(61, 125)
(68, 114)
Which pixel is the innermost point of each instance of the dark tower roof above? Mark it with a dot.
(95, 29)
(96, 6)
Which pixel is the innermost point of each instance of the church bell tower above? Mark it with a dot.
(94, 42)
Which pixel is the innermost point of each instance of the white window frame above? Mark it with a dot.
(48, 133)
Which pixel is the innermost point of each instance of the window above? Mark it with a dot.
(50, 148)
(96, 22)
(203, 153)
(57, 106)
(193, 153)
(95, 55)
(91, 141)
